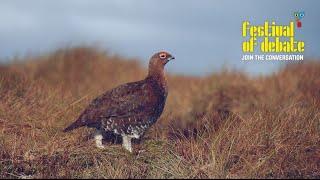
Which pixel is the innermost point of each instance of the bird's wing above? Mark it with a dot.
(123, 101)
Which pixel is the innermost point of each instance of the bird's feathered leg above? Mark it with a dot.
(98, 138)
(126, 143)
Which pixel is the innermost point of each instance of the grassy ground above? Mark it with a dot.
(225, 125)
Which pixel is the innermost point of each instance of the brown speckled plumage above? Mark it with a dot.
(129, 109)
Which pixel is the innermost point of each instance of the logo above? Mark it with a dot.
(271, 39)
(298, 16)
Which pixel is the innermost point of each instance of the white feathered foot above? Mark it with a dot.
(126, 143)
(98, 138)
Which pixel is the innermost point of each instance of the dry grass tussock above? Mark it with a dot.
(226, 125)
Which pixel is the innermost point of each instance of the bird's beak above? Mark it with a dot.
(171, 58)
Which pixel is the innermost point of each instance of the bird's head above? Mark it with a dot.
(161, 57)
(158, 61)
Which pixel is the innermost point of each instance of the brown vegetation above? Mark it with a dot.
(226, 125)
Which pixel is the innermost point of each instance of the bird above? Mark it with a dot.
(130, 109)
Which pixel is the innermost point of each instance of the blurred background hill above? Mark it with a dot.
(223, 125)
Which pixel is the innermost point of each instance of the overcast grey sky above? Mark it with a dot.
(203, 35)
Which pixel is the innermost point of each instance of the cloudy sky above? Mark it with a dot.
(203, 35)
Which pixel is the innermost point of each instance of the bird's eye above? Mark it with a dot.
(162, 55)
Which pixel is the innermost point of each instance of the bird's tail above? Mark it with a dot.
(73, 126)
(69, 128)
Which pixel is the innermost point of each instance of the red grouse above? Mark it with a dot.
(129, 109)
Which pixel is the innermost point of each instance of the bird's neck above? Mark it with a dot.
(156, 70)
(157, 73)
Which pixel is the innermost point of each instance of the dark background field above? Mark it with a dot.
(224, 125)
